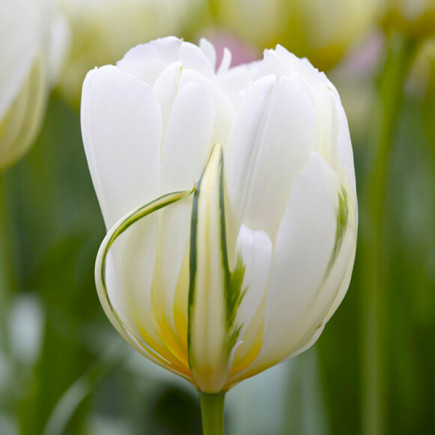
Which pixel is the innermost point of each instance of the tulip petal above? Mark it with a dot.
(254, 252)
(184, 153)
(269, 145)
(199, 117)
(344, 143)
(304, 247)
(166, 87)
(121, 323)
(121, 127)
(210, 52)
(318, 88)
(187, 138)
(209, 277)
(147, 61)
(223, 108)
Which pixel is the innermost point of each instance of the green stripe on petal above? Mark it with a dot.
(234, 293)
(214, 292)
(342, 217)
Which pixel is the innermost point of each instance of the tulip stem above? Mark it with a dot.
(212, 412)
(6, 276)
(399, 57)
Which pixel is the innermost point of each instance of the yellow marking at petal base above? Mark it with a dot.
(252, 340)
(162, 353)
(180, 303)
(252, 354)
(164, 330)
(150, 337)
(148, 353)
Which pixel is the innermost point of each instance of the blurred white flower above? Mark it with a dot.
(31, 49)
(321, 30)
(219, 282)
(103, 30)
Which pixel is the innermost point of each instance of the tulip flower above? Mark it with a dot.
(323, 31)
(230, 203)
(31, 50)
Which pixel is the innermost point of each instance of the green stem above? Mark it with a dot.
(212, 411)
(400, 55)
(6, 274)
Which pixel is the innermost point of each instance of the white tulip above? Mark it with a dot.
(31, 47)
(230, 203)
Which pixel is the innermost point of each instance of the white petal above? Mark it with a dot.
(316, 85)
(269, 145)
(187, 138)
(121, 127)
(129, 275)
(166, 87)
(235, 81)
(226, 61)
(344, 143)
(303, 248)
(255, 250)
(208, 49)
(147, 61)
(185, 151)
(209, 343)
(130, 267)
(224, 110)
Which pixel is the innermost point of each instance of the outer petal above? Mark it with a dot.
(121, 127)
(302, 254)
(270, 143)
(130, 267)
(316, 85)
(344, 143)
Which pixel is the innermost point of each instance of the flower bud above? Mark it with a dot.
(230, 203)
(26, 74)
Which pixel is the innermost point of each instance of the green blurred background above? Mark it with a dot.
(63, 368)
